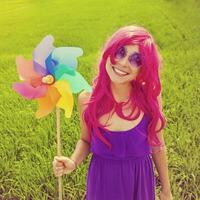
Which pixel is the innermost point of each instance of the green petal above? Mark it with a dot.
(77, 82)
(63, 69)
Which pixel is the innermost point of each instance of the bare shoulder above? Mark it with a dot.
(84, 97)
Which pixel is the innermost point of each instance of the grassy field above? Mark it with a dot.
(28, 145)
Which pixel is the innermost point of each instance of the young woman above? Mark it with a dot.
(121, 122)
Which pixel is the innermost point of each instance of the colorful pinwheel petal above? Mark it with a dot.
(67, 56)
(51, 77)
(48, 102)
(66, 101)
(29, 92)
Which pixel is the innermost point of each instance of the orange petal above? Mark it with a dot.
(47, 103)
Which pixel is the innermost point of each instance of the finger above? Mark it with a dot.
(64, 160)
(59, 173)
(55, 168)
(59, 168)
(57, 163)
(60, 158)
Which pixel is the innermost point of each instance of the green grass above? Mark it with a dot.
(28, 145)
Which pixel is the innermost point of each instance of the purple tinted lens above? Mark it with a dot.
(135, 59)
(120, 53)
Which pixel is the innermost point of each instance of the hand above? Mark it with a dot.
(63, 165)
(166, 195)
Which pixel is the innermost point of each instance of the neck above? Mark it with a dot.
(121, 92)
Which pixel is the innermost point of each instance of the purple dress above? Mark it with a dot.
(126, 171)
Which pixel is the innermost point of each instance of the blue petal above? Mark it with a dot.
(51, 65)
(67, 56)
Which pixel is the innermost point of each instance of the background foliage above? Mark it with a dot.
(27, 145)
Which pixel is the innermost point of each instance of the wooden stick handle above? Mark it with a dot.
(58, 149)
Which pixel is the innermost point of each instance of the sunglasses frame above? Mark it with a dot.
(129, 58)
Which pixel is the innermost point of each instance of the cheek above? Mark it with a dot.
(134, 73)
(135, 70)
(109, 71)
(108, 67)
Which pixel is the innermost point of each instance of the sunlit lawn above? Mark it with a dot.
(28, 145)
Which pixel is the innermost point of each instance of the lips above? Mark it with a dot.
(119, 71)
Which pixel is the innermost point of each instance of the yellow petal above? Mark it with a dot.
(66, 100)
(47, 103)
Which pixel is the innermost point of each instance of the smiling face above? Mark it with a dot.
(127, 64)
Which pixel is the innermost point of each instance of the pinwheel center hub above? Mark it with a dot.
(48, 79)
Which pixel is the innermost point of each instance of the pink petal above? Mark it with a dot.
(25, 68)
(29, 92)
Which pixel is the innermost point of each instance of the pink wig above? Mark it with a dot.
(145, 88)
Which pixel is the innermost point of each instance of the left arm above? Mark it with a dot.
(161, 162)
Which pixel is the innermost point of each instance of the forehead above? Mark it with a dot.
(132, 48)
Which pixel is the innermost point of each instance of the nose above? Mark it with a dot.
(124, 62)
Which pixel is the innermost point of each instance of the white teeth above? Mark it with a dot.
(119, 71)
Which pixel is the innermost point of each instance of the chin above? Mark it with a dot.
(118, 81)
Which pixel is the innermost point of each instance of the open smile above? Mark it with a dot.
(119, 72)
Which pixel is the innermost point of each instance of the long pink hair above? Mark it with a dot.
(145, 88)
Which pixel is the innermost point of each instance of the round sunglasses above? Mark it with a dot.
(134, 59)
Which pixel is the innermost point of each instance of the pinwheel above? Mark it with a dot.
(51, 79)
